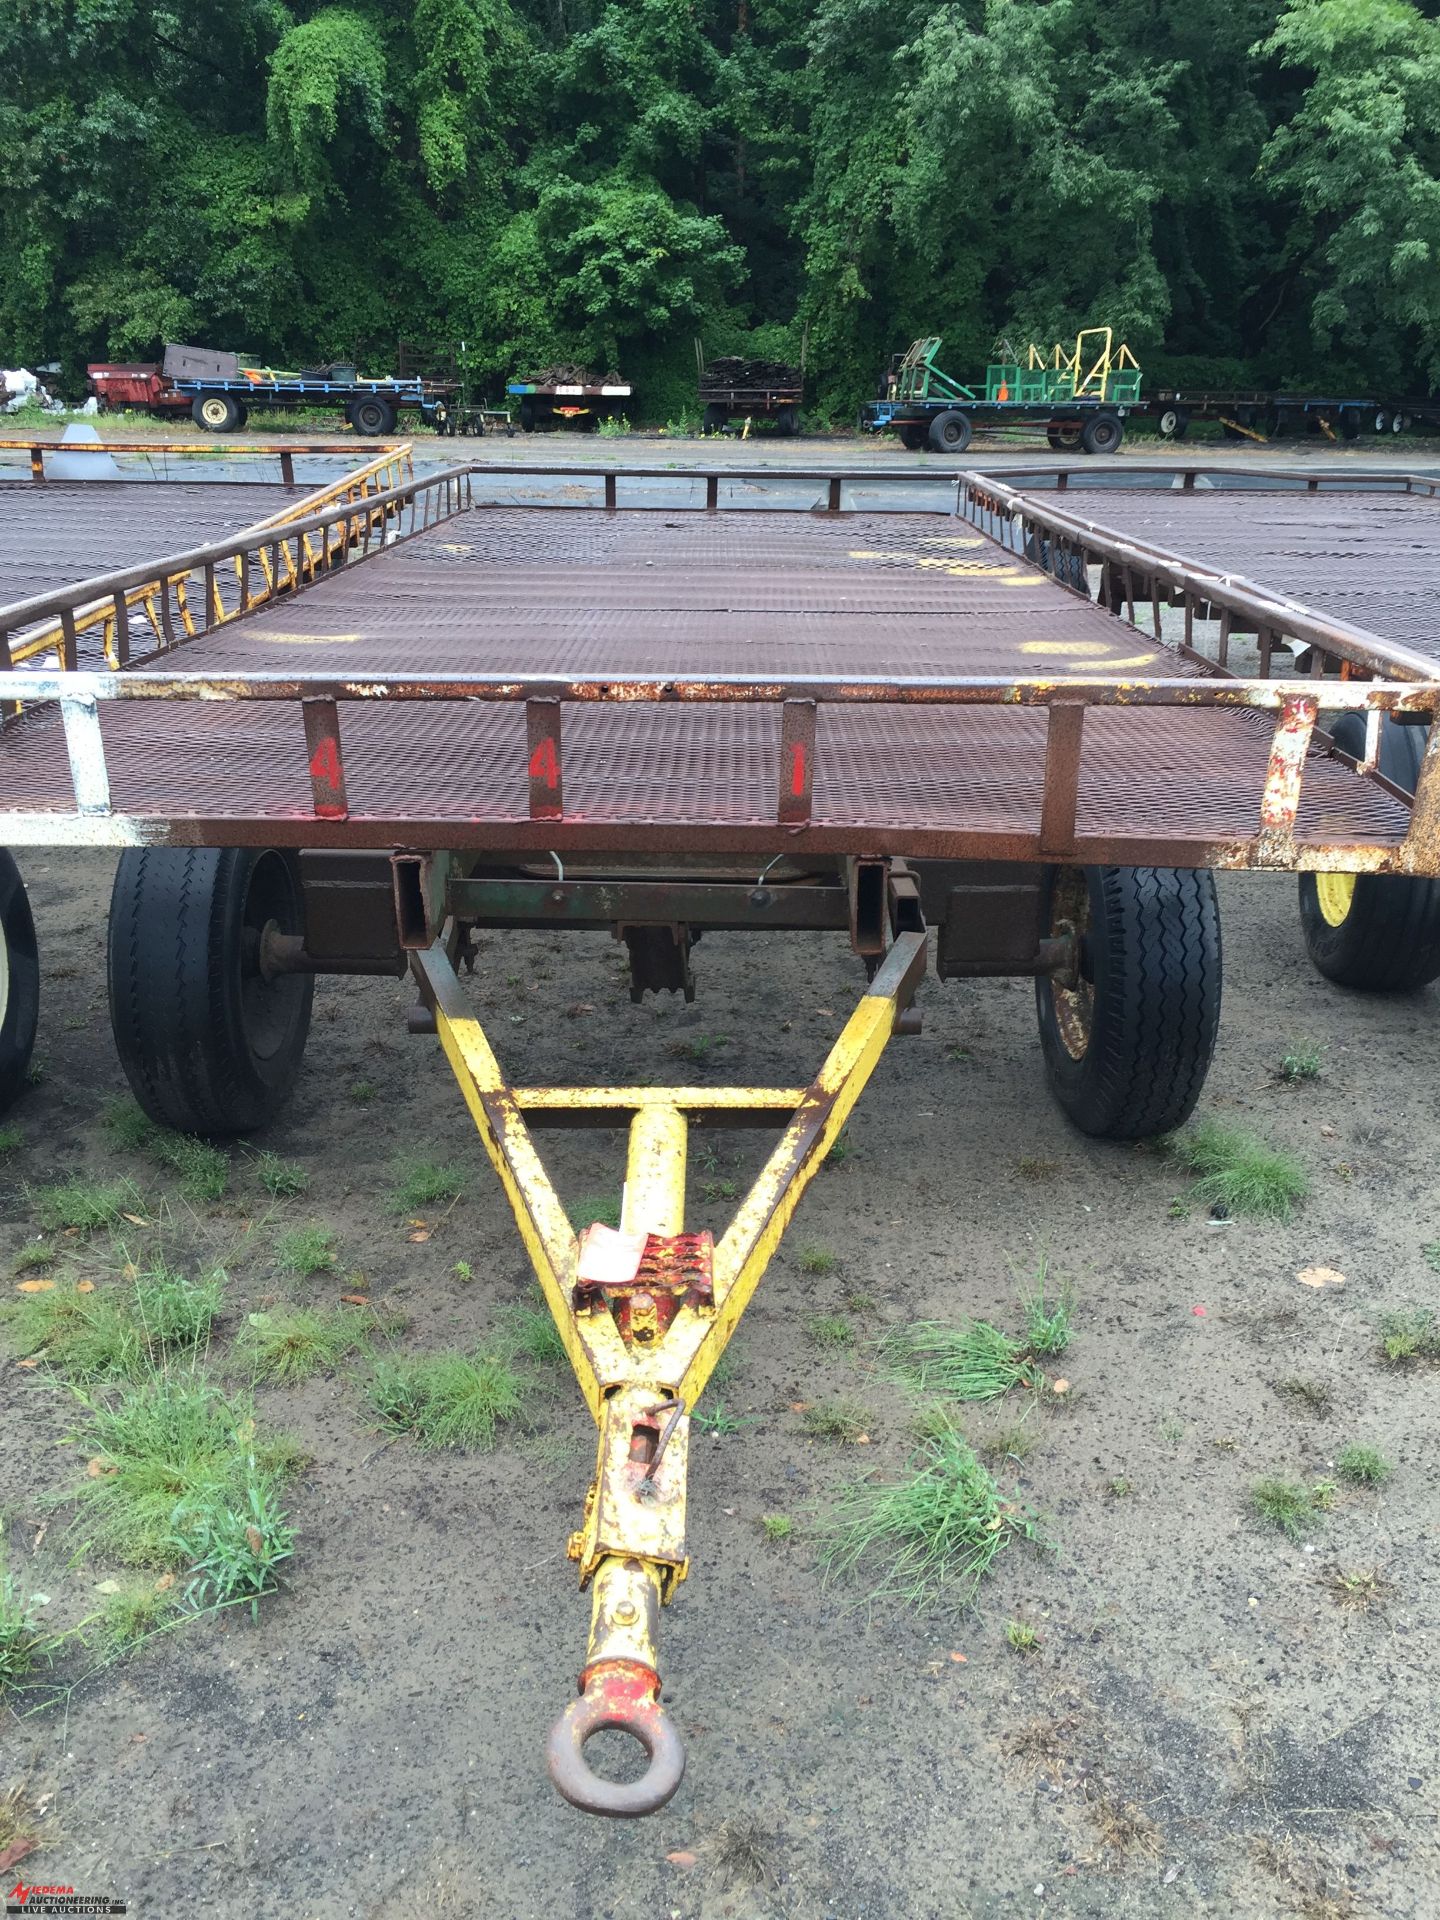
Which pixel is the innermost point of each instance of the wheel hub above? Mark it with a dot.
(1335, 895)
(1074, 993)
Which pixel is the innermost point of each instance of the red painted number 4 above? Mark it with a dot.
(325, 764)
(543, 765)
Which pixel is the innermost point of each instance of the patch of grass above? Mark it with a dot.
(1431, 1253)
(1293, 1508)
(1121, 1827)
(84, 1336)
(860, 1302)
(426, 1183)
(1021, 1637)
(133, 1613)
(1172, 1429)
(829, 1331)
(463, 1270)
(718, 1421)
(1363, 1466)
(1239, 1174)
(24, 1816)
(448, 1399)
(1358, 1589)
(306, 1250)
(1047, 1313)
(1302, 1060)
(24, 1645)
(842, 1148)
(816, 1259)
(1119, 1488)
(776, 1527)
(289, 1343)
(975, 1362)
(30, 1258)
(927, 1539)
(1030, 1167)
(281, 1179)
(175, 1312)
(699, 1048)
(11, 1139)
(362, 1092)
(1015, 1442)
(529, 1332)
(594, 1209)
(234, 1539)
(84, 1206)
(744, 1857)
(204, 1170)
(843, 1420)
(1409, 1333)
(173, 1440)
(719, 1189)
(1315, 1396)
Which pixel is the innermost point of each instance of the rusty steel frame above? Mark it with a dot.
(150, 600)
(644, 1314)
(1017, 520)
(284, 450)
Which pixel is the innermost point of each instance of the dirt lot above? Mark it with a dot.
(1201, 1729)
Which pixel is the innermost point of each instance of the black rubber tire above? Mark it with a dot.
(1064, 439)
(1389, 941)
(19, 982)
(787, 423)
(207, 1044)
(950, 432)
(528, 414)
(713, 419)
(216, 412)
(1068, 568)
(371, 415)
(1102, 433)
(1350, 423)
(1152, 952)
(913, 436)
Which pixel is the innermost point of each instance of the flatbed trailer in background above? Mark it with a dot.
(573, 403)
(1082, 396)
(217, 392)
(753, 390)
(648, 700)
(1250, 414)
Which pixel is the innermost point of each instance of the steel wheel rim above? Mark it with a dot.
(268, 1006)
(1074, 1006)
(1335, 895)
(214, 412)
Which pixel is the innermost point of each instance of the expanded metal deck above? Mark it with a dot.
(786, 596)
(64, 531)
(1367, 557)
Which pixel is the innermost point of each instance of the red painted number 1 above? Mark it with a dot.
(543, 766)
(797, 769)
(325, 764)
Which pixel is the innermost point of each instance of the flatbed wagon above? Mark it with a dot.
(647, 700)
(573, 403)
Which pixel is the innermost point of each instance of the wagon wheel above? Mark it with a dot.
(216, 412)
(950, 432)
(209, 1035)
(714, 418)
(1377, 932)
(1064, 436)
(1128, 1034)
(371, 416)
(19, 982)
(912, 437)
(1102, 433)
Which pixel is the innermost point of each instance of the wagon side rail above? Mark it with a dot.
(1272, 845)
(151, 608)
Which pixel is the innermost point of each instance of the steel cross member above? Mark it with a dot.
(644, 1314)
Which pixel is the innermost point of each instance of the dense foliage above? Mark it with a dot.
(1248, 189)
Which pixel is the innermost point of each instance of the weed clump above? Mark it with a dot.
(1047, 1314)
(776, 1527)
(1363, 1466)
(1293, 1508)
(281, 1179)
(530, 1333)
(24, 1645)
(1302, 1060)
(829, 1331)
(448, 1399)
(426, 1183)
(92, 1334)
(204, 1170)
(1409, 1333)
(594, 1209)
(84, 1206)
(975, 1362)
(289, 1343)
(929, 1538)
(305, 1251)
(1239, 1174)
(843, 1420)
